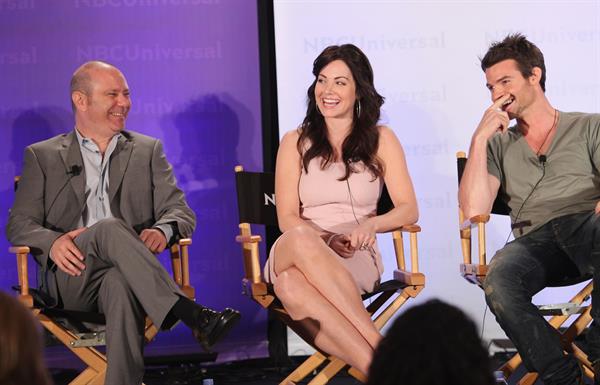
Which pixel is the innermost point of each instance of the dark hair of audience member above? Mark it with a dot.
(363, 140)
(431, 344)
(21, 359)
(518, 48)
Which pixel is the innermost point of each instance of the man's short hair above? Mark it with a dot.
(517, 47)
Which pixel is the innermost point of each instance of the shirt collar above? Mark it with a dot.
(82, 140)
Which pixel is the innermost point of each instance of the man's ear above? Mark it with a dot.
(79, 100)
(536, 75)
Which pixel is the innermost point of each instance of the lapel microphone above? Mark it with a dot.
(74, 170)
(542, 159)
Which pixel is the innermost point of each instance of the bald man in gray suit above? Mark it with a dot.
(95, 205)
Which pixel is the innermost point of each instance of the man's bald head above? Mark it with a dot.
(100, 100)
(82, 77)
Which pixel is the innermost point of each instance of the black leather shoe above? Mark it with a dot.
(211, 326)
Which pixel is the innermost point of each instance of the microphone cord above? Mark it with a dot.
(75, 170)
(542, 159)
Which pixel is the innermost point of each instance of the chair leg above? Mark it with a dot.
(576, 328)
(328, 372)
(357, 374)
(581, 356)
(96, 361)
(150, 330)
(90, 356)
(511, 365)
(86, 377)
(309, 365)
(588, 373)
(99, 379)
(389, 311)
(529, 379)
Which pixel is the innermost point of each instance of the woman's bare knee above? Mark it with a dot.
(297, 245)
(291, 289)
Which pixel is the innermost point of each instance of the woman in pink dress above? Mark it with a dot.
(328, 178)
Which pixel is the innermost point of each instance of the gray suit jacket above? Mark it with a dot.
(50, 199)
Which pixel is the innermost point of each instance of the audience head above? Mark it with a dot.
(518, 48)
(21, 360)
(431, 344)
(365, 110)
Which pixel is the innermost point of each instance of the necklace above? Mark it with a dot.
(548, 133)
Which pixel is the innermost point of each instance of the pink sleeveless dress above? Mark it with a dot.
(338, 207)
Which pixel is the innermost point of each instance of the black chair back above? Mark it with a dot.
(256, 197)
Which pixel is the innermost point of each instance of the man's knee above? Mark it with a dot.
(498, 285)
(109, 224)
(112, 230)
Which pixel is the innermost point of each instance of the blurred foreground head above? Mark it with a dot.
(21, 359)
(431, 344)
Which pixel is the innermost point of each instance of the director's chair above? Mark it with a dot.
(256, 205)
(81, 331)
(557, 314)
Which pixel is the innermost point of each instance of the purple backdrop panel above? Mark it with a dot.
(193, 69)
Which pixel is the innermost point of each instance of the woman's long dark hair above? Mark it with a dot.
(362, 142)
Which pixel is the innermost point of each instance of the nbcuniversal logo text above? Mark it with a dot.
(137, 52)
(140, 3)
(16, 5)
(29, 56)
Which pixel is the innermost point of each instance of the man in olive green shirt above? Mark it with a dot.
(546, 169)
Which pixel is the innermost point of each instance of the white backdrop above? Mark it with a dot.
(425, 59)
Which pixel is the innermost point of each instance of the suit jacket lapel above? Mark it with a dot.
(71, 156)
(118, 164)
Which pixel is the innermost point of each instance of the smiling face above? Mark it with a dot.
(335, 91)
(505, 78)
(103, 107)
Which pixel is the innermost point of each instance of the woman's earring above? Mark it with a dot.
(358, 108)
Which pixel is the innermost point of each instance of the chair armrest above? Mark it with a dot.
(249, 243)
(248, 238)
(475, 220)
(19, 249)
(21, 253)
(181, 266)
(410, 228)
(473, 272)
(184, 242)
(412, 277)
(408, 278)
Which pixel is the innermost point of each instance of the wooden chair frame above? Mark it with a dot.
(82, 345)
(408, 284)
(476, 272)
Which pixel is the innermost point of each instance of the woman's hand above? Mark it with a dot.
(363, 236)
(340, 243)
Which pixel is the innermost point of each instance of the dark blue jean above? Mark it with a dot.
(562, 249)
